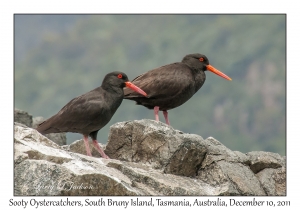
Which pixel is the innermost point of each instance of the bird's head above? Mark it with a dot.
(200, 62)
(120, 79)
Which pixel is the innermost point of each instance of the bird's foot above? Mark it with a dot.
(105, 156)
(100, 150)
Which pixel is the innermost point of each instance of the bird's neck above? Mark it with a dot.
(199, 78)
(115, 95)
(113, 90)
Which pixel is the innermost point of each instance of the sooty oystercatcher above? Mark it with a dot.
(88, 113)
(172, 85)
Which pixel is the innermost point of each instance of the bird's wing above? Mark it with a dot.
(75, 115)
(164, 81)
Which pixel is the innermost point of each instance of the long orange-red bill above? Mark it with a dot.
(135, 88)
(217, 72)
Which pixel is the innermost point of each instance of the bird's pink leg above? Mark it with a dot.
(87, 147)
(99, 149)
(156, 110)
(166, 117)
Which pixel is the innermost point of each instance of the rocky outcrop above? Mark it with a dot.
(26, 119)
(147, 158)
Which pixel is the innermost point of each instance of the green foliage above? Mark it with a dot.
(66, 56)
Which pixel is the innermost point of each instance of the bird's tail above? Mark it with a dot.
(46, 127)
(42, 128)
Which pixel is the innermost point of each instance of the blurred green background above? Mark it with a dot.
(58, 57)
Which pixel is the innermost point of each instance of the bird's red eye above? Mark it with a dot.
(201, 59)
(120, 76)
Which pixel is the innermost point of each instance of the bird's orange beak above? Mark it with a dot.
(217, 72)
(135, 88)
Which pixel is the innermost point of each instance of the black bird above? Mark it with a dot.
(172, 85)
(88, 113)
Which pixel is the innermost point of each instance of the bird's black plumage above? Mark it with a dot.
(172, 85)
(88, 113)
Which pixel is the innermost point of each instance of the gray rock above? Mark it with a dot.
(235, 178)
(43, 168)
(144, 141)
(79, 147)
(187, 159)
(59, 138)
(260, 160)
(273, 181)
(22, 117)
(154, 182)
(20, 124)
(223, 167)
(242, 158)
(149, 158)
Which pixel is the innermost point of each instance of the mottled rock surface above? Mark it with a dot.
(147, 158)
(22, 117)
